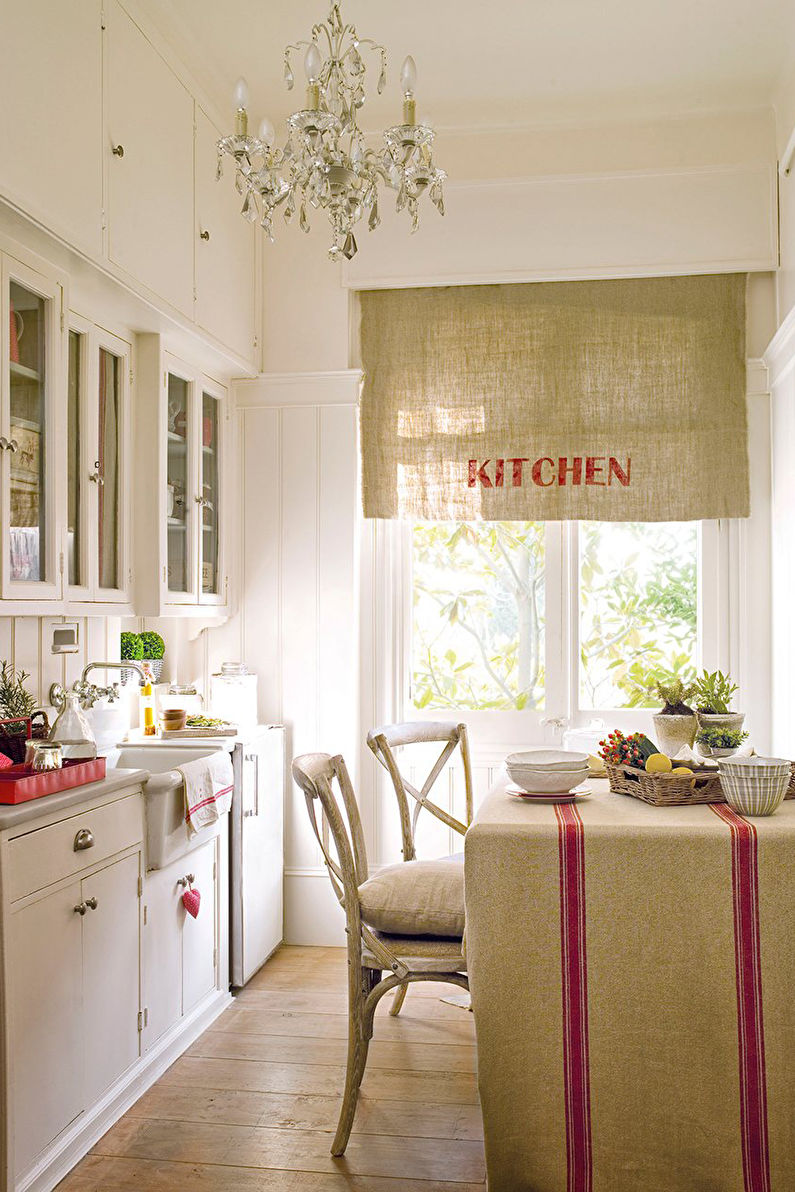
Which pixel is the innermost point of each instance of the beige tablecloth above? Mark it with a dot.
(633, 982)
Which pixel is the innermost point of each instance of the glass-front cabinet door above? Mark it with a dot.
(210, 575)
(30, 432)
(193, 499)
(97, 449)
(179, 505)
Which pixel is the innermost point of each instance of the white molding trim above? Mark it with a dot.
(621, 224)
(59, 1158)
(757, 381)
(780, 352)
(333, 388)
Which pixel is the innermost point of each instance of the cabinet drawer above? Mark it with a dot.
(48, 854)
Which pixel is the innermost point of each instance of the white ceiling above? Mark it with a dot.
(506, 61)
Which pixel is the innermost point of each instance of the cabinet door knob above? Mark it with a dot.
(84, 839)
(92, 902)
(199, 500)
(205, 235)
(118, 151)
(8, 444)
(187, 880)
(81, 908)
(96, 478)
(13, 445)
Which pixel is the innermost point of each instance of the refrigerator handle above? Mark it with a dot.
(253, 757)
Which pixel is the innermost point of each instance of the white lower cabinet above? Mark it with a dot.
(180, 952)
(106, 977)
(73, 968)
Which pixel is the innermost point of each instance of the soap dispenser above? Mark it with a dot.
(72, 730)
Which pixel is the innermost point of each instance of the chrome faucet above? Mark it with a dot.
(87, 692)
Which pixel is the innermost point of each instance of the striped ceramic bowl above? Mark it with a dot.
(754, 785)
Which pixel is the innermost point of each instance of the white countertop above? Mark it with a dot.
(13, 814)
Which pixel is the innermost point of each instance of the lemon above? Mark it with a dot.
(658, 763)
(681, 770)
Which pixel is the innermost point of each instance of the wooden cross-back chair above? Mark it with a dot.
(411, 800)
(371, 953)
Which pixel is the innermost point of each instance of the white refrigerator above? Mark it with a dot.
(256, 842)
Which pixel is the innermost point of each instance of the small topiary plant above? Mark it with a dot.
(132, 647)
(153, 645)
(714, 693)
(674, 695)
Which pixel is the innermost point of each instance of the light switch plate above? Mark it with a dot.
(65, 638)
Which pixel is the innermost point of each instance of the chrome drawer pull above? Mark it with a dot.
(84, 839)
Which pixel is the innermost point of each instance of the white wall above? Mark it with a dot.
(25, 642)
(302, 624)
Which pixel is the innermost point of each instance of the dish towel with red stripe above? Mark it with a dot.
(208, 783)
(632, 972)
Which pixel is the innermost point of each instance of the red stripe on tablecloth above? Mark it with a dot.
(576, 1070)
(750, 1020)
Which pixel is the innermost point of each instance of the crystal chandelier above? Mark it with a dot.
(325, 162)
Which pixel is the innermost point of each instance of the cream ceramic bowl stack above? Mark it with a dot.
(754, 785)
(547, 771)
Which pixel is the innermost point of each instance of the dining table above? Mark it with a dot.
(632, 972)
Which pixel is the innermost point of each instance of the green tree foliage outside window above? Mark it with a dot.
(478, 624)
(478, 613)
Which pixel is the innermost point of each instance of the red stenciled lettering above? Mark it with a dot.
(615, 469)
(479, 474)
(536, 472)
(516, 463)
(499, 473)
(593, 468)
(575, 467)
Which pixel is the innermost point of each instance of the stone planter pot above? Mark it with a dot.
(729, 720)
(672, 732)
(733, 721)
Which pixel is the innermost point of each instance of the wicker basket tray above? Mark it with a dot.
(673, 790)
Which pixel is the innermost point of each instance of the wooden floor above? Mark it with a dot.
(252, 1105)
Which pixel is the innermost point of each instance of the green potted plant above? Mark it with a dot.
(16, 704)
(713, 696)
(132, 649)
(720, 742)
(677, 724)
(153, 650)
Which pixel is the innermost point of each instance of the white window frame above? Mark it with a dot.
(718, 635)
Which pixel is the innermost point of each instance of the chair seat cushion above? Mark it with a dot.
(416, 898)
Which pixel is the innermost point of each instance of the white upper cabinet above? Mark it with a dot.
(149, 162)
(224, 249)
(51, 130)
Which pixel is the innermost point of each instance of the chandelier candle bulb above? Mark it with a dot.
(241, 104)
(408, 82)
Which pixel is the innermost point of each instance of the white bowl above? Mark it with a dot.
(554, 782)
(548, 759)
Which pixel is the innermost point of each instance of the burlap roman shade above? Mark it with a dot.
(603, 400)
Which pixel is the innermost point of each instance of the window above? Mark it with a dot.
(486, 635)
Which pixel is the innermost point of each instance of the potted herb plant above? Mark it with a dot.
(132, 649)
(16, 705)
(677, 724)
(713, 696)
(720, 742)
(153, 650)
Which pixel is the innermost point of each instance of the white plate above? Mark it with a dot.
(516, 792)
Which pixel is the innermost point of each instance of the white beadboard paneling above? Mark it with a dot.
(6, 639)
(26, 651)
(650, 223)
(312, 915)
(338, 622)
(300, 607)
(260, 601)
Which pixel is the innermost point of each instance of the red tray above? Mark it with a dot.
(18, 784)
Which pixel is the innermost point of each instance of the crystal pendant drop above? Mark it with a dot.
(289, 78)
(249, 211)
(302, 220)
(375, 218)
(349, 248)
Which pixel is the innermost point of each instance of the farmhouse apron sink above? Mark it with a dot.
(164, 799)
